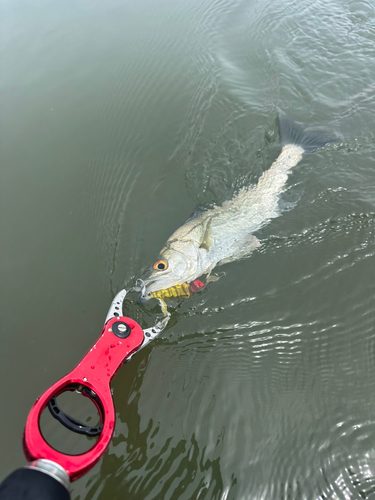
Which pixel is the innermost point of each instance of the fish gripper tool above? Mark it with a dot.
(120, 338)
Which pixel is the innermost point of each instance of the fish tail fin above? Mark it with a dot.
(309, 140)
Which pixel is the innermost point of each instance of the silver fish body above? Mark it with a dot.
(224, 233)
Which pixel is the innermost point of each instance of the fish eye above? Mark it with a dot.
(160, 265)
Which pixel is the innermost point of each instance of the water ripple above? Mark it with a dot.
(263, 386)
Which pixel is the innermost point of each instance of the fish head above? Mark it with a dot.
(177, 263)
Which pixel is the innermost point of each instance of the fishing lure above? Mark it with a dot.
(184, 290)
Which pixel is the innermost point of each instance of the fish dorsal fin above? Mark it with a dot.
(206, 234)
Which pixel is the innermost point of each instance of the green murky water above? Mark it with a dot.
(117, 119)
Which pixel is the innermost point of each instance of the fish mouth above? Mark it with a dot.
(149, 286)
(154, 289)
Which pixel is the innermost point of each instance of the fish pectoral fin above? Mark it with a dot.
(211, 278)
(254, 242)
(206, 237)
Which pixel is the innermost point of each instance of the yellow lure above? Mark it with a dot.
(173, 292)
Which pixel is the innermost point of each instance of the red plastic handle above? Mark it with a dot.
(95, 371)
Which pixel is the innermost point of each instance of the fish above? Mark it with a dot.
(222, 234)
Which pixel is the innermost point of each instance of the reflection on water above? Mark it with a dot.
(116, 120)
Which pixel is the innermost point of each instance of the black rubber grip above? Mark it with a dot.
(30, 484)
(72, 423)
